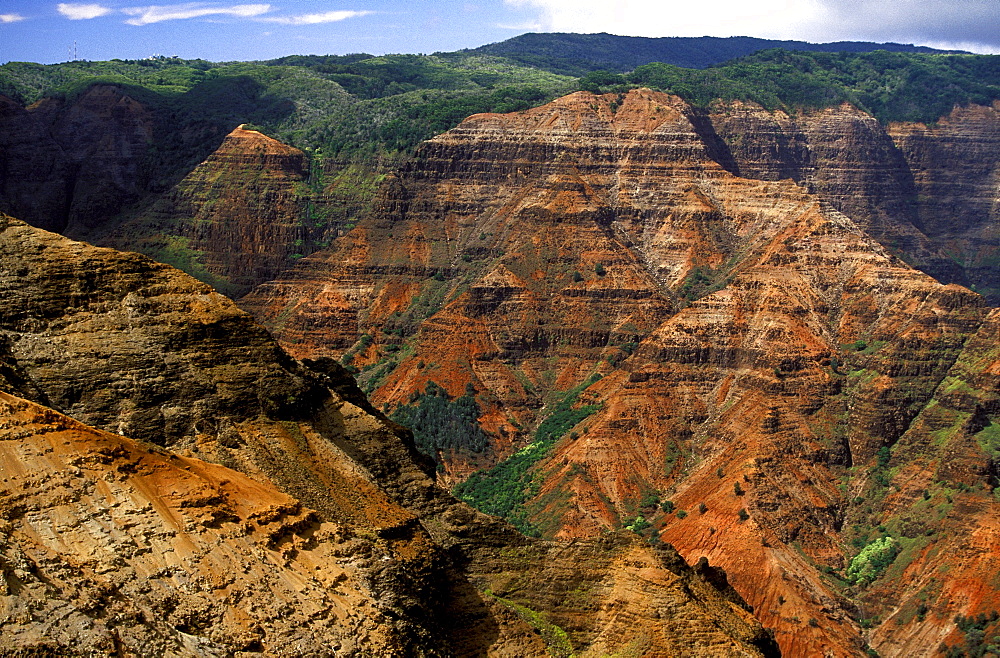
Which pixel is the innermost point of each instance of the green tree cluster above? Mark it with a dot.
(441, 423)
(873, 559)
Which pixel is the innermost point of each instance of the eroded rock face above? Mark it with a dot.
(231, 209)
(767, 364)
(955, 174)
(237, 220)
(110, 545)
(923, 192)
(283, 514)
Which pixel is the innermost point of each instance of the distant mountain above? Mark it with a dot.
(575, 54)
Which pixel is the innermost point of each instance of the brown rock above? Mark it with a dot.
(776, 351)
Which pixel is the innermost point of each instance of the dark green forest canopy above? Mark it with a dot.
(352, 104)
(891, 86)
(576, 54)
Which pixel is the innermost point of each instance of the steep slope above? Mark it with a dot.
(954, 170)
(65, 165)
(753, 411)
(343, 542)
(111, 545)
(923, 192)
(655, 341)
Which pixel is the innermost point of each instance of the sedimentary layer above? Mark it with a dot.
(278, 511)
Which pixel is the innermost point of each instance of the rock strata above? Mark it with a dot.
(281, 513)
(238, 219)
(65, 166)
(721, 299)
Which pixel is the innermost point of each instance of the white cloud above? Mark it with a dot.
(969, 46)
(522, 27)
(158, 13)
(314, 19)
(659, 18)
(973, 22)
(11, 18)
(76, 12)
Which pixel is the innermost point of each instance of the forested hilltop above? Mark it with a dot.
(358, 103)
(577, 54)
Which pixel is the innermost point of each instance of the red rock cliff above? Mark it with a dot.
(281, 513)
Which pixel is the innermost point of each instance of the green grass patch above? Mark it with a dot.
(988, 439)
(557, 640)
(505, 489)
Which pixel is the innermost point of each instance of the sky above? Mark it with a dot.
(50, 32)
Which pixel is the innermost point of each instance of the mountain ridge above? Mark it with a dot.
(275, 510)
(568, 52)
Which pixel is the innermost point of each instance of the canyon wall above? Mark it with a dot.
(122, 168)
(701, 326)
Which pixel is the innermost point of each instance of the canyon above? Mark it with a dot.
(210, 495)
(650, 334)
(721, 306)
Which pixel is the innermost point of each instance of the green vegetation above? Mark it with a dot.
(873, 559)
(638, 524)
(579, 53)
(880, 473)
(650, 499)
(891, 86)
(989, 440)
(701, 281)
(504, 489)
(440, 423)
(557, 641)
(344, 104)
(980, 640)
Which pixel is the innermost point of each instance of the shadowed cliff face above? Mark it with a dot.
(235, 220)
(280, 513)
(67, 167)
(767, 365)
(142, 176)
(245, 214)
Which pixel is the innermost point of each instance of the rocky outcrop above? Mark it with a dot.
(955, 175)
(126, 168)
(113, 546)
(765, 361)
(280, 513)
(237, 220)
(922, 191)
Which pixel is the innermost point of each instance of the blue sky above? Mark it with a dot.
(45, 32)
